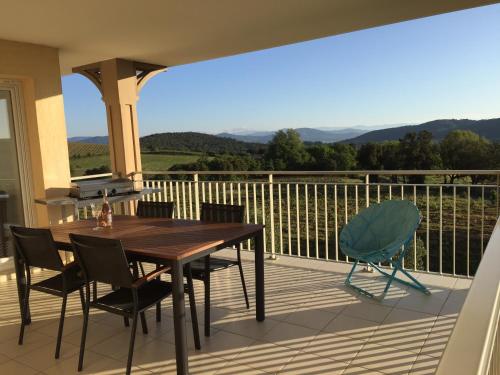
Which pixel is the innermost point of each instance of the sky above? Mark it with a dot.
(446, 66)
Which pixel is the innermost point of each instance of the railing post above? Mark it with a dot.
(368, 268)
(367, 185)
(196, 197)
(271, 216)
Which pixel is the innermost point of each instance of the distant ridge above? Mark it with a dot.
(99, 140)
(489, 129)
(200, 142)
(307, 135)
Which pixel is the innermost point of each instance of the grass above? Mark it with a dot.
(151, 162)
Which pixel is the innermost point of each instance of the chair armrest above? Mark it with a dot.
(150, 276)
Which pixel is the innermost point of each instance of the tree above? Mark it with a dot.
(390, 157)
(286, 151)
(464, 150)
(419, 152)
(369, 156)
(322, 158)
(345, 156)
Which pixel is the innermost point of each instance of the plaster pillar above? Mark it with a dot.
(120, 82)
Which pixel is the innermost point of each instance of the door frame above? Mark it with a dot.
(15, 88)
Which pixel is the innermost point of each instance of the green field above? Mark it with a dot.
(150, 162)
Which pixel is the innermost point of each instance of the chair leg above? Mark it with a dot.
(206, 282)
(389, 282)
(84, 329)
(240, 266)
(126, 323)
(398, 267)
(158, 305)
(132, 342)
(192, 307)
(144, 324)
(24, 314)
(357, 288)
(61, 326)
(82, 298)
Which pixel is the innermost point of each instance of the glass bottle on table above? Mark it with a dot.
(106, 213)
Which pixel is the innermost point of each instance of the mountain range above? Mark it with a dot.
(489, 129)
(247, 141)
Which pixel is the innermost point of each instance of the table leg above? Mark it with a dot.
(21, 285)
(206, 283)
(259, 277)
(181, 351)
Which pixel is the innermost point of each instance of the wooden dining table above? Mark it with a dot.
(171, 242)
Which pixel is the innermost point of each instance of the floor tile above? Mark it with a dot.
(310, 317)
(96, 333)
(437, 339)
(93, 364)
(17, 368)
(43, 358)
(304, 363)
(385, 360)
(266, 357)
(425, 365)
(232, 368)
(418, 301)
(32, 340)
(248, 326)
(291, 335)
(333, 346)
(156, 356)
(356, 370)
(225, 344)
(404, 329)
(353, 327)
(367, 311)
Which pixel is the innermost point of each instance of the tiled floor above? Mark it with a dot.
(314, 325)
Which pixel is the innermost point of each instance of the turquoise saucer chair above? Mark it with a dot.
(379, 234)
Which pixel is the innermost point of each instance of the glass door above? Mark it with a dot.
(11, 202)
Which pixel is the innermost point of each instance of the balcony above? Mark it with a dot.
(315, 324)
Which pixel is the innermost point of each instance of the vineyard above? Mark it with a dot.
(79, 150)
(87, 158)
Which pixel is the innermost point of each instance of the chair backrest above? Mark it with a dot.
(387, 225)
(102, 260)
(222, 213)
(37, 248)
(155, 209)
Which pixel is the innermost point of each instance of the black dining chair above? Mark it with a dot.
(154, 210)
(36, 248)
(219, 213)
(104, 260)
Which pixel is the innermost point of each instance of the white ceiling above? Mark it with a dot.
(175, 32)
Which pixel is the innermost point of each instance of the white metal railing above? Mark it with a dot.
(473, 347)
(305, 211)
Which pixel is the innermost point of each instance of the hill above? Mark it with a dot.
(198, 142)
(489, 129)
(307, 135)
(101, 140)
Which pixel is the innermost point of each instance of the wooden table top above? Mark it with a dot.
(168, 239)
